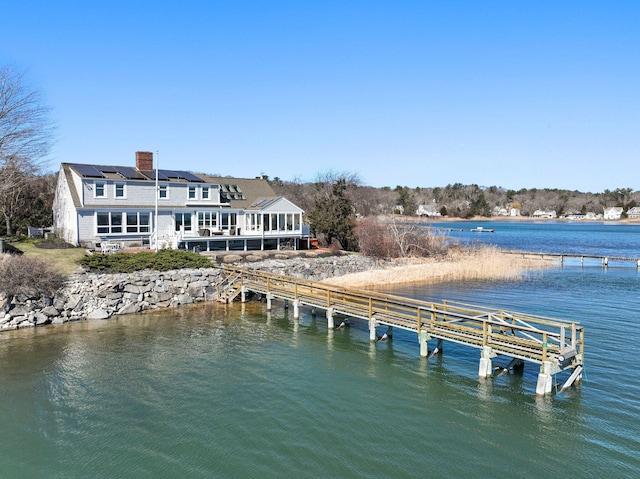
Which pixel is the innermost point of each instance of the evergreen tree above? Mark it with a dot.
(333, 216)
(406, 200)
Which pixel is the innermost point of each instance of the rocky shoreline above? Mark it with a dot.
(102, 296)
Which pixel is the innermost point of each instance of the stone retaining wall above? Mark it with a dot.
(101, 296)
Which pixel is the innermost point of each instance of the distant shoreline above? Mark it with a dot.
(515, 219)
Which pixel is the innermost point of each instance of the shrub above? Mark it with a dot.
(372, 238)
(163, 260)
(28, 276)
(391, 239)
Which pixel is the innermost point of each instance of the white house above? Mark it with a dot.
(613, 213)
(634, 212)
(545, 214)
(430, 210)
(125, 205)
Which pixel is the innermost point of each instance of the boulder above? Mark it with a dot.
(50, 311)
(98, 314)
(130, 308)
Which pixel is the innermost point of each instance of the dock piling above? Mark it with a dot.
(485, 370)
(423, 337)
(545, 379)
(372, 330)
(330, 321)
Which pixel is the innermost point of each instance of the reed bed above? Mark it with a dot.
(486, 263)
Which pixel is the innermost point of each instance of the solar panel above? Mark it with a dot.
(89, 171)
(161, 175)
(191, 177)
(108, 169)
(181, 175)
(128, 172)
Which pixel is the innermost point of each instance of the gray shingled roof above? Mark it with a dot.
(241, 192)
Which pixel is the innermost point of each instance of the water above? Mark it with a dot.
(588, 238)
(231, 391)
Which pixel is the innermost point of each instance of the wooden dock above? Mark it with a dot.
(554, 344)
(603, 260)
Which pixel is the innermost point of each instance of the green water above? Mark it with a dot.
(231, 391)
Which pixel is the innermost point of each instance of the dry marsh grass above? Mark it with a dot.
(463, 265)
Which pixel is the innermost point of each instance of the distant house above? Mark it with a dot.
(124, 205)
(634, 212)
(509, 211)
(499, 211)
(428, 210)
(613, 213)
(545, 214)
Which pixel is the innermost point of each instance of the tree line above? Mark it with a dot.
(454, 200)
(333, 202)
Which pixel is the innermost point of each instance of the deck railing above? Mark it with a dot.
(518, 335)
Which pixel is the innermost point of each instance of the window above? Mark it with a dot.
(109, 223)
(116, 222)
(119, 190)
(183, 221)
(138, 222)
(205, 192)
(192, 192)
(253, 222)
(228, 220)
(207, 219)
(163, 192)
(99, 189)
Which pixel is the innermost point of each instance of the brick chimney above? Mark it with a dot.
(144, 160)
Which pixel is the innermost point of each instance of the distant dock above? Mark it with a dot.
(603, 260)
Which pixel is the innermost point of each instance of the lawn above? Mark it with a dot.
(64, 260)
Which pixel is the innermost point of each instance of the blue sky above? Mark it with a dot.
(412, 93)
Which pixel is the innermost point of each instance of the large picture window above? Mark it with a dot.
(138, 223)
(109, 223)
(113, 222)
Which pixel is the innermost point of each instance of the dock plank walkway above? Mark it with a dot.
(556, 345)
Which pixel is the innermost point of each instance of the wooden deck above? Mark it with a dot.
(554, 344)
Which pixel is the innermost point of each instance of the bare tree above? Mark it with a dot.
(26, 135)
(325, 180)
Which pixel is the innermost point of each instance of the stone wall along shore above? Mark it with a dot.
(102, 296)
